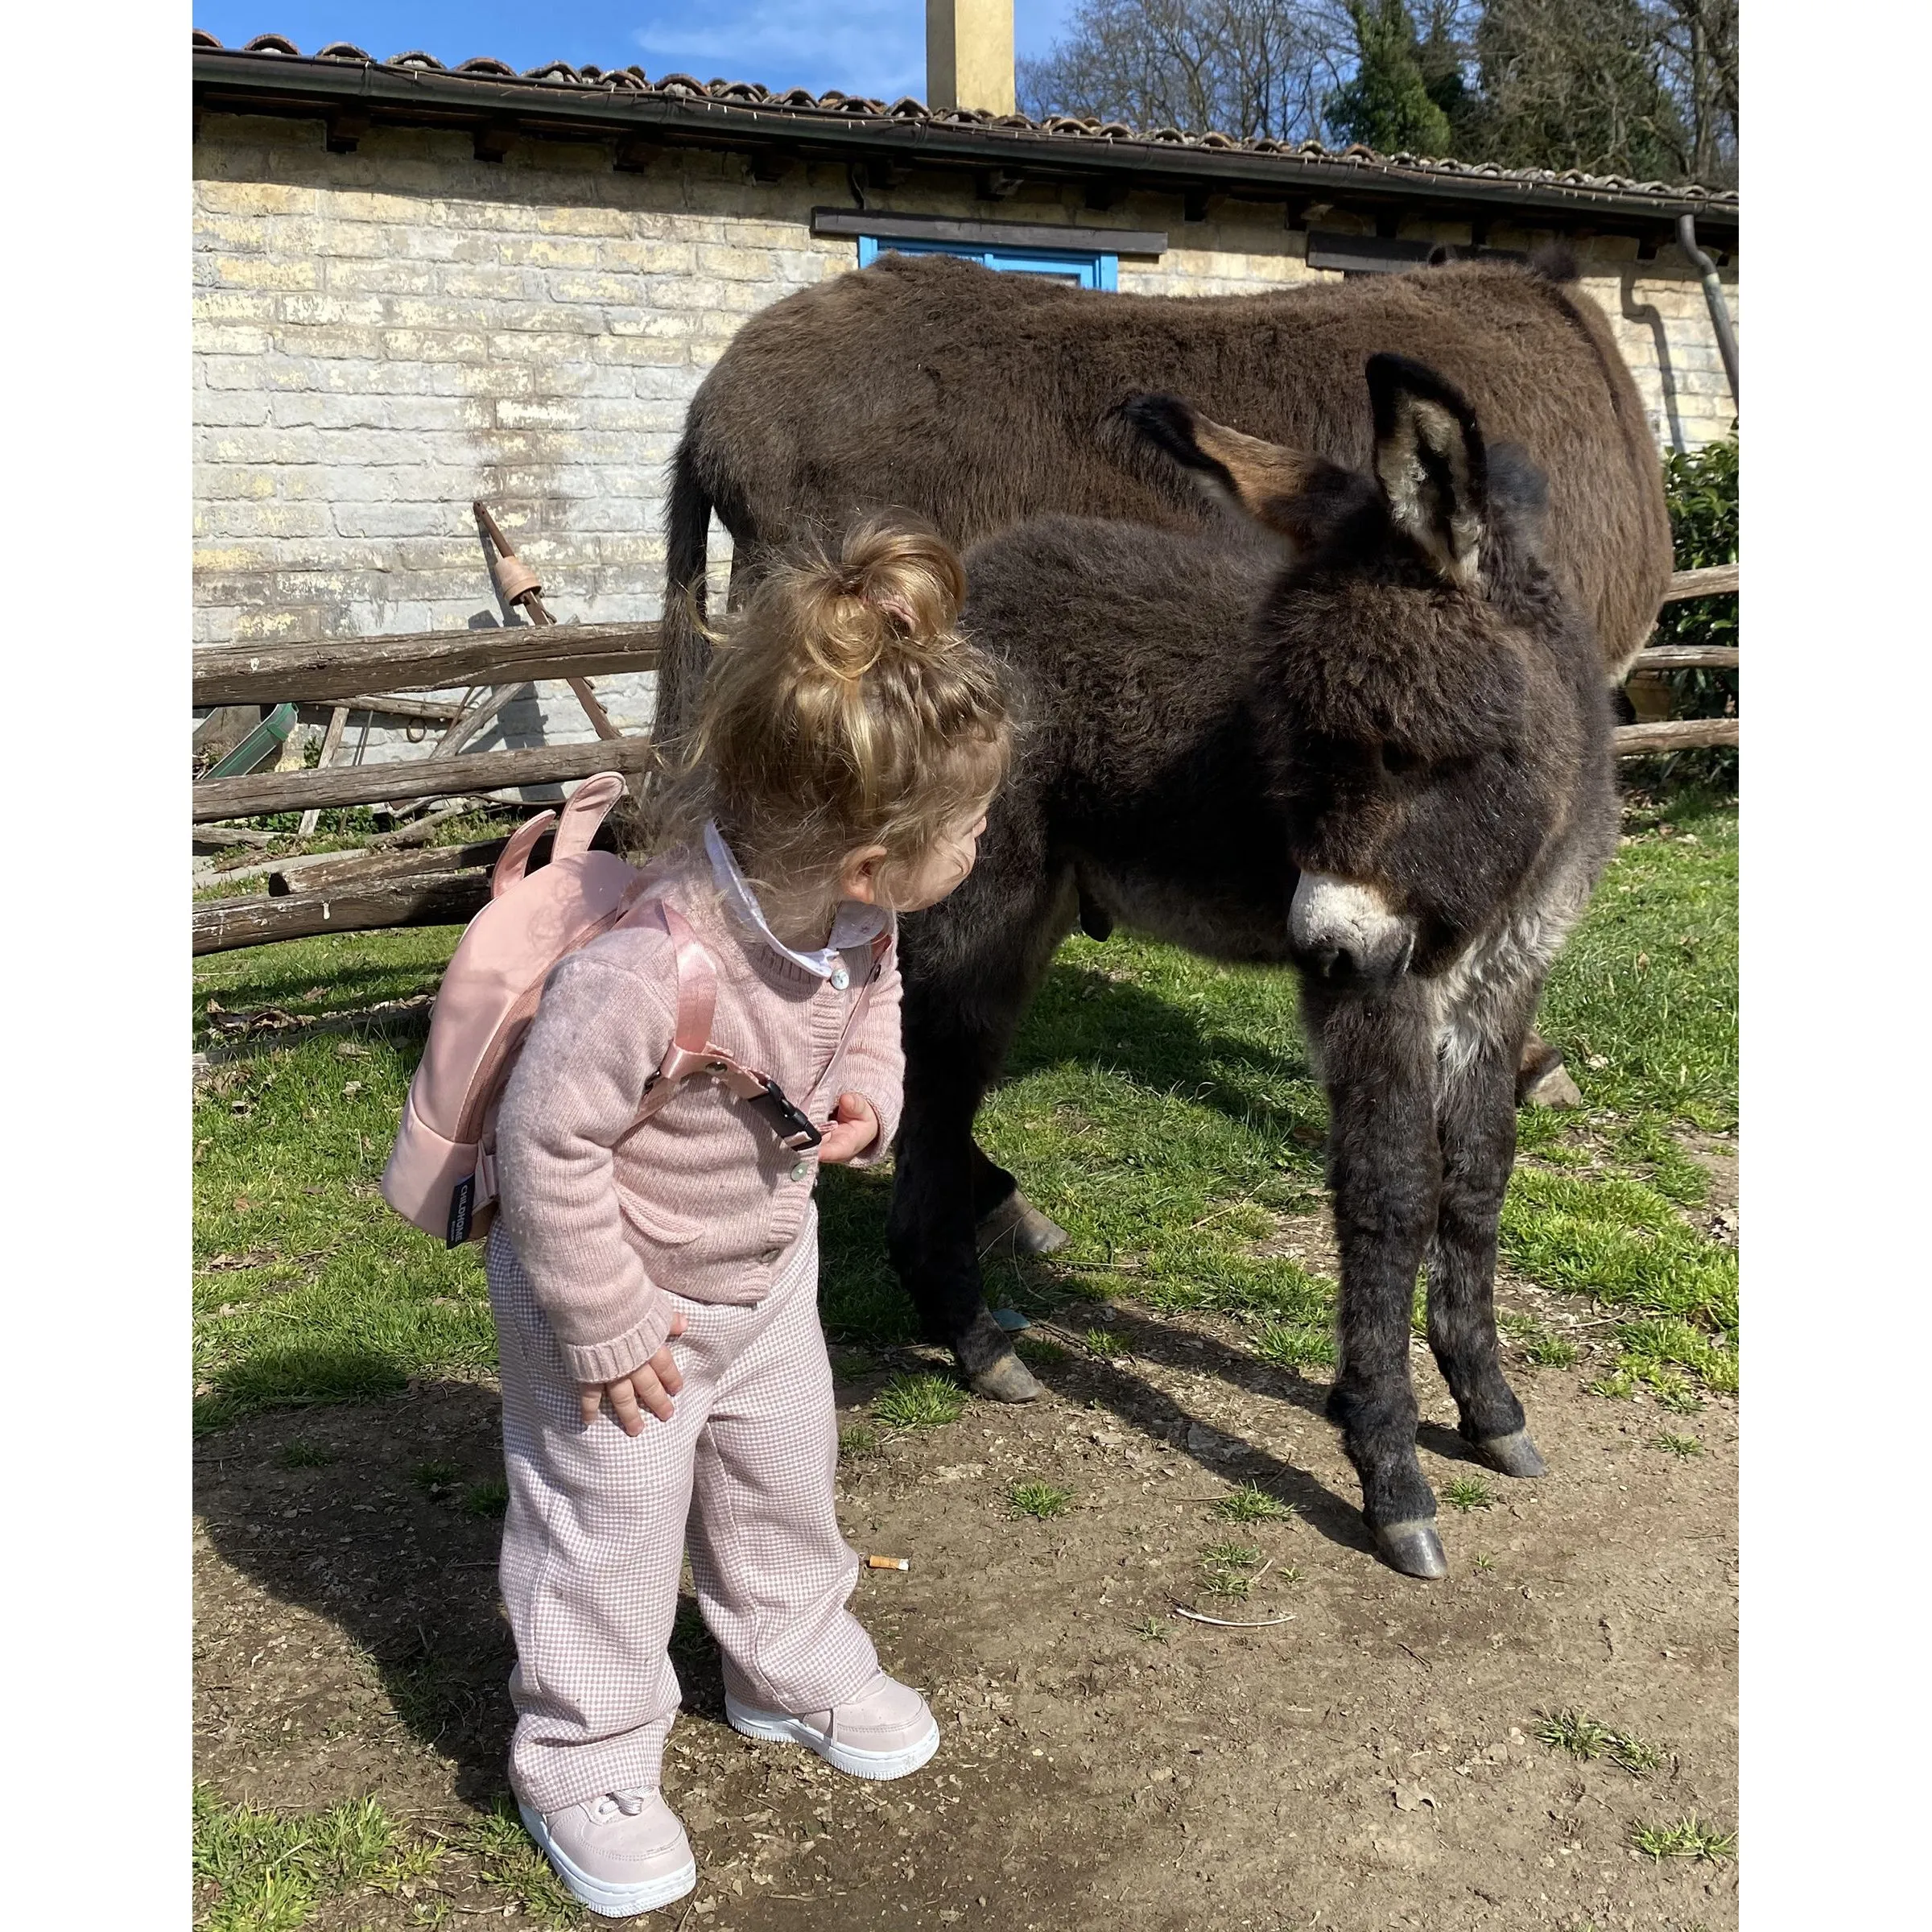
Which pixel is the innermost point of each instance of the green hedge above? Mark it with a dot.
(1701, 489)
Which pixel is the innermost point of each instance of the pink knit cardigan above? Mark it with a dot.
(702, 1200)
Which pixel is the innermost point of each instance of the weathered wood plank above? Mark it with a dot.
(350, 871)
(334, 668)
(472, 771)
(1714, 582)
(447, 898)
(1677, 734)
(1686, 657)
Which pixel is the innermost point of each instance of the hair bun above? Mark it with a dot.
(894, 586)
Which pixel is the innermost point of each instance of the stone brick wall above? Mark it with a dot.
(382, 335)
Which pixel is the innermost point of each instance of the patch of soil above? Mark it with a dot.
(1369, 1764)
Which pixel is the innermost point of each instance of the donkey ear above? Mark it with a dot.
(1264, 481)
(1430, 462)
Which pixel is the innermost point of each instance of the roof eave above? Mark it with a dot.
(240, 82)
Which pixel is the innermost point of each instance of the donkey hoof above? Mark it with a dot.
(1412, 1547)
(1006, 1379)
(1017, 1226)
(1512, 1454)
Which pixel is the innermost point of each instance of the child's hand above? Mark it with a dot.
(854, 1127)
(653, 1386)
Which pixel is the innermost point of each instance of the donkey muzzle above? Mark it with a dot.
(1348, 933)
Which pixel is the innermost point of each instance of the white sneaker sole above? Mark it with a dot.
(772, 1728)
(613, 1901)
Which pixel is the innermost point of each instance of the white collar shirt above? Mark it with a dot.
(855, 924)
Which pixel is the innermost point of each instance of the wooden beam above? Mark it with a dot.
(1686, 657)
(393, 705)
(469, 772)
(341, 871)
(1640, 741)
(435, 660)
(1715, 582)
(440, 899)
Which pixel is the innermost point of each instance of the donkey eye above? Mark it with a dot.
(1396, 761)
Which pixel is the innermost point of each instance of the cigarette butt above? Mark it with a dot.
(888, 1562)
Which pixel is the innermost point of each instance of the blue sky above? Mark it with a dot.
(859, 47)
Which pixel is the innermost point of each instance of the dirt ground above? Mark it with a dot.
(1370, 1763)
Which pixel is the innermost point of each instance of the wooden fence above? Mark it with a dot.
(379, 888)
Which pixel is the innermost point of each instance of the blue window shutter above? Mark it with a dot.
(1077, 266)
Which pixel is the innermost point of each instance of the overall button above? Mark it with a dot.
(800, 1169)
(841, 979)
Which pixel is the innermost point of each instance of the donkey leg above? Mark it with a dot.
(1005, 1222)
(1477, 1126)
(1383, 1169)
(930, 1226)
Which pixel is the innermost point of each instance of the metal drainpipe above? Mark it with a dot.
(1713, 297)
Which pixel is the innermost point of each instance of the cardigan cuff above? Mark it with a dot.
(610, 1361)
(876, 1149)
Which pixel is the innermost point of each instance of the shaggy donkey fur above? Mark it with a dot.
(1366, 734)
(976, 399)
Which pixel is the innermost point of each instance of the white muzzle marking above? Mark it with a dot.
(1338, 916)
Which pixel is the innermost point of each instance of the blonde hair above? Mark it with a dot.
(843, 708)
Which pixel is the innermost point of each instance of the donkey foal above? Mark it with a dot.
(1365, 732)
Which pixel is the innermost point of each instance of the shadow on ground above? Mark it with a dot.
(383, 1519)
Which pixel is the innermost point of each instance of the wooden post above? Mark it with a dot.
(531, 600)
(330, 739)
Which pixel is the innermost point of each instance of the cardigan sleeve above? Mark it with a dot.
(601, 1030)
(875, 1061)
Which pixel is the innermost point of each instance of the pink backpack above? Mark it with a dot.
(441, 1174)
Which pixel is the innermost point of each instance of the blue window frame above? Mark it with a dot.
(1078, 266)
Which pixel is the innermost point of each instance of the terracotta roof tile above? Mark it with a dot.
(798, 99)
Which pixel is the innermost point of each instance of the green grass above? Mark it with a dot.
(1038, 1499)
(1687, 1837)
(489, 1498)
(299, 1455)
(263, 1871)
(1039, 1352)
(1228, 1569)
(1159, 1107)
(1683, 1446)
(321, 1293)
(856, 1441)
(1467, 1493)
(1538, 1344)
(1105, 1343)
(1252, 1504)
(508, 1861)
(1584, 1738)
(1294, 1345)
(919, 1402)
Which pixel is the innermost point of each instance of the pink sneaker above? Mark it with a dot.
(886, 1731)
(621, 1853)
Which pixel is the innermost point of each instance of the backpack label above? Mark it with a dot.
(462, 1210)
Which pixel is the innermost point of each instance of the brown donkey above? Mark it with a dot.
(1366, 734)
(977, 399)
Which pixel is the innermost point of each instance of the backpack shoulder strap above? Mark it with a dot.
(691, 1051)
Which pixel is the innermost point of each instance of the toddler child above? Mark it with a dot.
(654, 1285)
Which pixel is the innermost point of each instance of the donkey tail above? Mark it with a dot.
(684, 649)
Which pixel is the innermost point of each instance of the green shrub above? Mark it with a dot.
(1701, 489)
